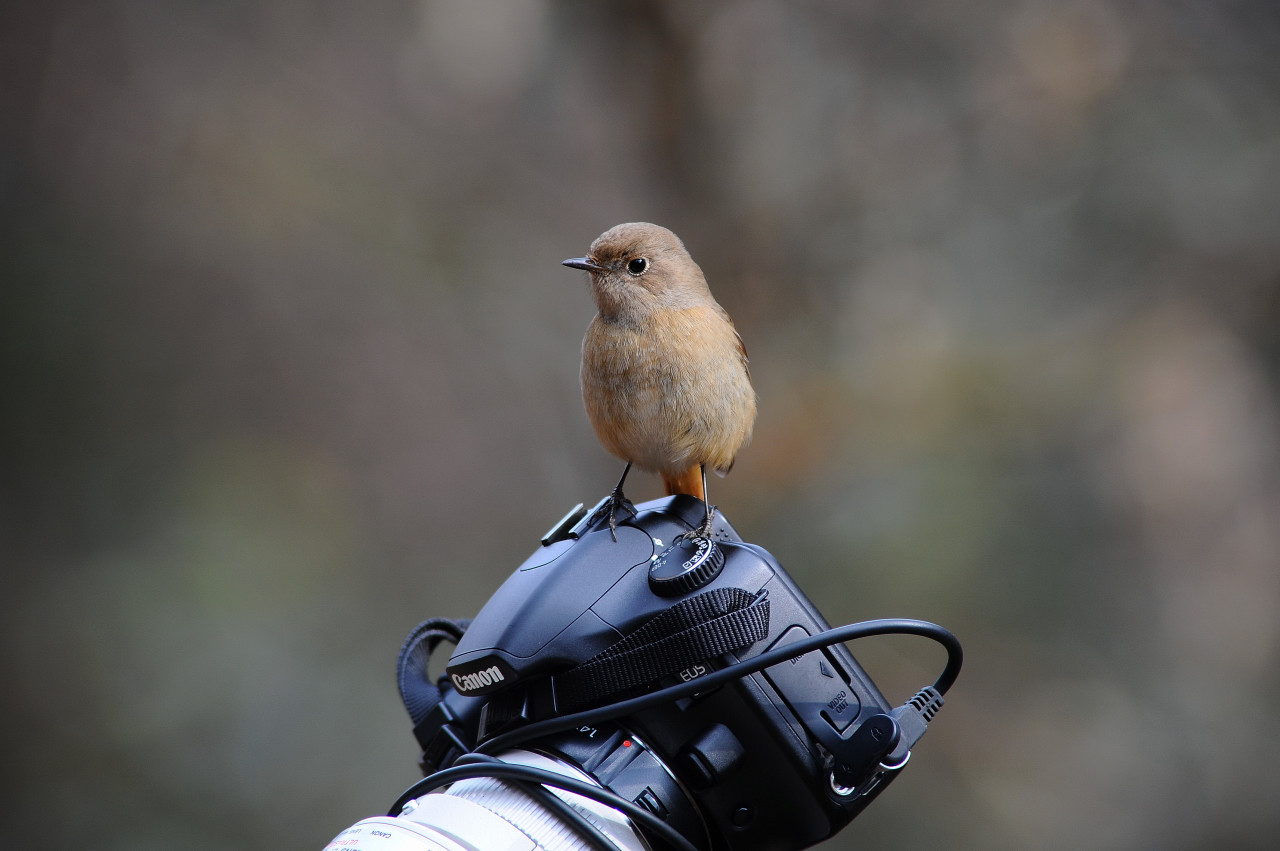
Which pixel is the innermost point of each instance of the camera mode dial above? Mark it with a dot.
(686, 565)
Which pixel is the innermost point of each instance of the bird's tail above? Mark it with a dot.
(689, 481)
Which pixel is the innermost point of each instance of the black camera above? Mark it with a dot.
(673, 690)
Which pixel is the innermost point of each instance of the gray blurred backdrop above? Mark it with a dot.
(289, 363)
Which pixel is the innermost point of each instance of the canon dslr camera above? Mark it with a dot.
(645, 688)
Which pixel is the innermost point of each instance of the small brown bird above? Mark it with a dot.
(664, 372)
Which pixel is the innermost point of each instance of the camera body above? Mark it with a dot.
(781, 758)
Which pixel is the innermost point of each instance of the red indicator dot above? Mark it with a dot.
(626, 743)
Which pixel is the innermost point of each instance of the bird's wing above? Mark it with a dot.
(742, 347)
(742, 350)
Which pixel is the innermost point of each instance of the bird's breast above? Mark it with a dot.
(669, 392)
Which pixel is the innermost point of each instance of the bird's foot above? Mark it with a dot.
(616, 502)
(702, 532)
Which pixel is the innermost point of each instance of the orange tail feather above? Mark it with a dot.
(689, 481)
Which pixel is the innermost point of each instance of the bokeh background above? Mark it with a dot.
(288, 363)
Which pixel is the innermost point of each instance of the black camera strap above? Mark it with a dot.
(691, 631)
(419, 693)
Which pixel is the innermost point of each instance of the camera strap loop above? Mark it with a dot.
(419, 693)
(703, 627)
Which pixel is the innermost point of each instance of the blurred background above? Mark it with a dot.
(288, 363)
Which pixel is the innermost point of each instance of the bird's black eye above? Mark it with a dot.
(637, 266)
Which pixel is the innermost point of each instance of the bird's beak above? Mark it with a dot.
(582, 263)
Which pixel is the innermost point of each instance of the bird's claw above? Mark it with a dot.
(616, 502)
(705, 531)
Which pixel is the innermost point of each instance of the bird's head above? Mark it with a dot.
(638, 268)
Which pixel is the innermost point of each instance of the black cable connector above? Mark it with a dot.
(913, 719)
(883, 743)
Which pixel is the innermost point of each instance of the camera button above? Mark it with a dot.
(651, 802)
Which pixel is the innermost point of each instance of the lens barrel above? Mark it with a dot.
(486, 814)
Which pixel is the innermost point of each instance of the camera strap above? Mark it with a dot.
(419, 693)
(691, 631)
